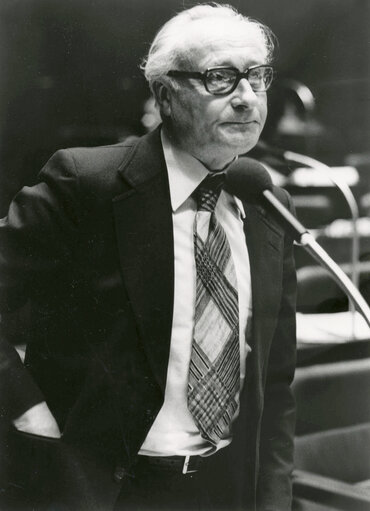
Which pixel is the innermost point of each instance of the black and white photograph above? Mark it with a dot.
(184, 255)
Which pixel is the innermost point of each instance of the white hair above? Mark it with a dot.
(168, 49)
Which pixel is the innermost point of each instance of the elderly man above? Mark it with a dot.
(162, 306)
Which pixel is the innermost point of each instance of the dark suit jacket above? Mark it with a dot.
(91, 246)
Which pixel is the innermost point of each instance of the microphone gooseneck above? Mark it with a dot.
(248, 180)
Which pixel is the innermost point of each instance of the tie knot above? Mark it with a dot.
(208, 192)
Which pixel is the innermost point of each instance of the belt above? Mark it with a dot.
(179, 464)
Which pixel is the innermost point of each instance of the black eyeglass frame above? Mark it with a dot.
(238, 77)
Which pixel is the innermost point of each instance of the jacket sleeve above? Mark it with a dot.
(35, 239)
(274, 490)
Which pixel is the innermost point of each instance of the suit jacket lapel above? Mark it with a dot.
(145, 241)
(265, 246)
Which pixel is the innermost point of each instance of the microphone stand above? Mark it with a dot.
(249, 181)
(352, 204)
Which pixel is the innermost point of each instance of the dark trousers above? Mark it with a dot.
(50, 475)
(212, 488)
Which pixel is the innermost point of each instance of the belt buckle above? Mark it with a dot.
(186, 465)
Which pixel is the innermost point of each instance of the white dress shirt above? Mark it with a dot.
(174, 431)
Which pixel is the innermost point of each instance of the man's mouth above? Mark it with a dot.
(251, 121)
(240, 124)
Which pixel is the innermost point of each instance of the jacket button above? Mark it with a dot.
(119, 474)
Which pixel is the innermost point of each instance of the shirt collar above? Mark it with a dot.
(185, 173)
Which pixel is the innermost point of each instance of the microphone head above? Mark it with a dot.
(247, 179)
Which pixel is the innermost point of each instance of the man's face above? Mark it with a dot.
(212, 128)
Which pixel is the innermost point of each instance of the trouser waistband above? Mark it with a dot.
(177, 464)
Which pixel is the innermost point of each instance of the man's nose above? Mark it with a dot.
(244, 95)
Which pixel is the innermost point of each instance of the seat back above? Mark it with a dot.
(333, 420)
(342, 453)
(332, 396)
(318, 292)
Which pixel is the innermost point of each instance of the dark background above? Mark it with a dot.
(70, 75)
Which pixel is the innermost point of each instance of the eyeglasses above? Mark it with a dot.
(224, 80)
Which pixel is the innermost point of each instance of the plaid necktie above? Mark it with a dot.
(214, 374)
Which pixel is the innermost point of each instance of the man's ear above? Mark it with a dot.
(162, 95)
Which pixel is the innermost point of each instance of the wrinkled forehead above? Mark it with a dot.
(200, 38)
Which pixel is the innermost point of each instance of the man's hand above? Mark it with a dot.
(38, 420)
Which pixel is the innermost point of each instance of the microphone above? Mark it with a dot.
(248, 180)
(285, 162)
